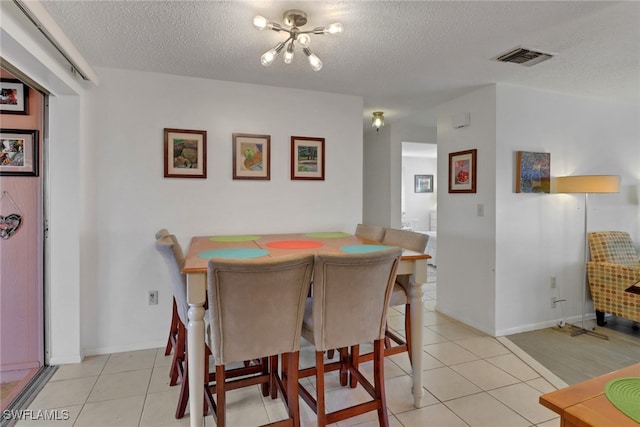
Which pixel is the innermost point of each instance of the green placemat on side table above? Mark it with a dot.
(624, 394)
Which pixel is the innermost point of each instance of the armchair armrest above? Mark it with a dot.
(612, 275)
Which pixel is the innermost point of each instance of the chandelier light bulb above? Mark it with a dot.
(335, 28)
(260, 22)
(288, 54)
(377, 121)
(314, 61)
(270, 55)
(304, 40)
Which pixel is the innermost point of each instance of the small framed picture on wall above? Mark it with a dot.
(185, 153)
(251, 156)
(19, 152)
(462, 171)
(14, 97)
(307, 158)
(423, 183)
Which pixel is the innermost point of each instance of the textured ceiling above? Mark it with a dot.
(402, 57)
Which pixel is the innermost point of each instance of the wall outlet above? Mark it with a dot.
(553, 282)
(153, 298)
(553, 302)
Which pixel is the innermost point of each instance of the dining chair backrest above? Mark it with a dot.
(171, 251)
(351, 295)
(406, 239)
(370, 232)
(256, 306)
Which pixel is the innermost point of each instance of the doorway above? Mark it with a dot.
(22, 350)
(419, 191)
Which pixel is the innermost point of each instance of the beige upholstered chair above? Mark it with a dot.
(173, 328)
(415, 242)
(256, 308)
(613, 268)
(349, 306)
(171, 251)
(370, 232)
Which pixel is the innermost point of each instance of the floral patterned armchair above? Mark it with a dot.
(613, 268)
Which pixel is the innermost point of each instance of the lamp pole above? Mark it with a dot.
(585, 281)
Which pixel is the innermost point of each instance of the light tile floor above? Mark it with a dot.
(471, 379)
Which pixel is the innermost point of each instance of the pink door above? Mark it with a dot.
(21, 248)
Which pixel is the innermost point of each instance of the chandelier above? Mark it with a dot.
(293, 19)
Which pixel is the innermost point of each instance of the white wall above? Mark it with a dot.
(127, 199)
(466, 242)
(376, 189)
(510, 254)
(417, 206)
(542, 235)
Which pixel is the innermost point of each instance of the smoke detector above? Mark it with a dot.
(524, 57)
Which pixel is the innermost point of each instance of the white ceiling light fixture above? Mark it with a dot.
(377, 121)
(294, 19)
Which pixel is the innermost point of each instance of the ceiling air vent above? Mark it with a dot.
(524, 57)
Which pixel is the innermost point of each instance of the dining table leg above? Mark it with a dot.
(196, 295)
(418, 278)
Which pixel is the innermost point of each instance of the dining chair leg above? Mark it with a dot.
(221, 397)
(173, 328)
(265, 387)
(273, 373)
(320, 403)
(355, 350)
(178, 353)
(183, 398)
(378, 378)
(291, 381)
(344, 360)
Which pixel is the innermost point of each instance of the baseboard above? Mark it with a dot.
(575, 320)
(98, 351)
(65, 360)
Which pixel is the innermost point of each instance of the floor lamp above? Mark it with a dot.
(586, 184)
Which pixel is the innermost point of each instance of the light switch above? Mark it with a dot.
(480, 209)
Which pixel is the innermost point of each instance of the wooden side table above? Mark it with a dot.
(585, 404)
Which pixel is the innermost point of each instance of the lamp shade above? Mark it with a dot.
(588, 184)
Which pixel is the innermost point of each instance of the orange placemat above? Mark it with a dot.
(295, 244)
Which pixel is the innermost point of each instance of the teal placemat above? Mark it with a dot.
(234, 253)
(359, 249)
(624, 394)
(247, 238)
(328, 235)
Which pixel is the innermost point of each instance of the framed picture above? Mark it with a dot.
(185, 153)
(251, 156)
(307, 158)
(19, 156)
(462, 171)
(423, 183)
(14, 97)
(533, 172)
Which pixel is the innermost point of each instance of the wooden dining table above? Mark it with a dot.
(203, 248)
